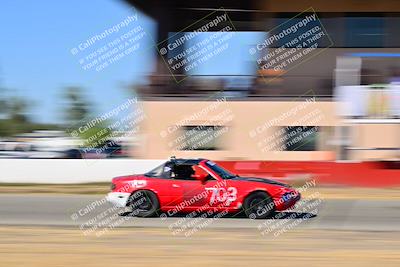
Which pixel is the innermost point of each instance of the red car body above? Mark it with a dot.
(186, 185)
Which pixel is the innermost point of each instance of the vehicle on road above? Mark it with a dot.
(201, 185)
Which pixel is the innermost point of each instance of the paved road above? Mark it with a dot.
(73, 210)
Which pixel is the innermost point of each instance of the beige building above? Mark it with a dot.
(266, 122)
(301, 129)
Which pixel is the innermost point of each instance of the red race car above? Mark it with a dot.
(187, 185)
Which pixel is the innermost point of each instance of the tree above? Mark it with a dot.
(14, 119)
(78, 112)
(17, 110)
(77, 107)
(3, 103)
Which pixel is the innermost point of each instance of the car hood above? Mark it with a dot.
(126, 177)
(259, 180)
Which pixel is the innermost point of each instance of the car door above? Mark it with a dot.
(160, 182)
(201, 193)
(172, 189)
(194, 194)
(213, 193)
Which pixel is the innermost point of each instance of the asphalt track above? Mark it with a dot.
(72, 211)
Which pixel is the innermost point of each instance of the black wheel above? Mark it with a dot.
(73, 154)
(258, 205)
(144, 203)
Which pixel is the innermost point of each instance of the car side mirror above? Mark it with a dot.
(201, 177)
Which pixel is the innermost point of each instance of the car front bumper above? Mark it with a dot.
(119, 199)
(288, 202)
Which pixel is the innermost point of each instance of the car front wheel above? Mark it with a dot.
(259, 205)
(144, 203)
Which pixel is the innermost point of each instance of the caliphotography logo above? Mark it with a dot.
(197, 44)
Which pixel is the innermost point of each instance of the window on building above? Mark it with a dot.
(350, 29)
(202, 137)
(300, 138)
(365, 32)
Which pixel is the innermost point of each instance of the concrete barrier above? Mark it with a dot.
(64, 171)
(69, 171)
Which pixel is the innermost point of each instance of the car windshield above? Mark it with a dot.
(224, 174)
(156, 172)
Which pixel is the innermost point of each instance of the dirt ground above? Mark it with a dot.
(50, 247)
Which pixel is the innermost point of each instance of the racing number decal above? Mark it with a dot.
(231, 194)
(222, 195)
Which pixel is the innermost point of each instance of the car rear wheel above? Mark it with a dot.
(259, 205)
(144, 203)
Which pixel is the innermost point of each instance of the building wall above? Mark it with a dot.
(375, 141)
(242, 119)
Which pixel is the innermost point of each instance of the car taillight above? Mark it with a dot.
(112, 186)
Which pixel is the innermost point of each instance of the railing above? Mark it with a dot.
(240, 87)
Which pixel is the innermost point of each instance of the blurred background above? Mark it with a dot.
(60, 75)
(306, 92)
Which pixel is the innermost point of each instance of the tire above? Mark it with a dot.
(144, 203)
(73, 154)
(259, 205)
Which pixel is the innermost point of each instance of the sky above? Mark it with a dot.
(37, 63)
(35, 57)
